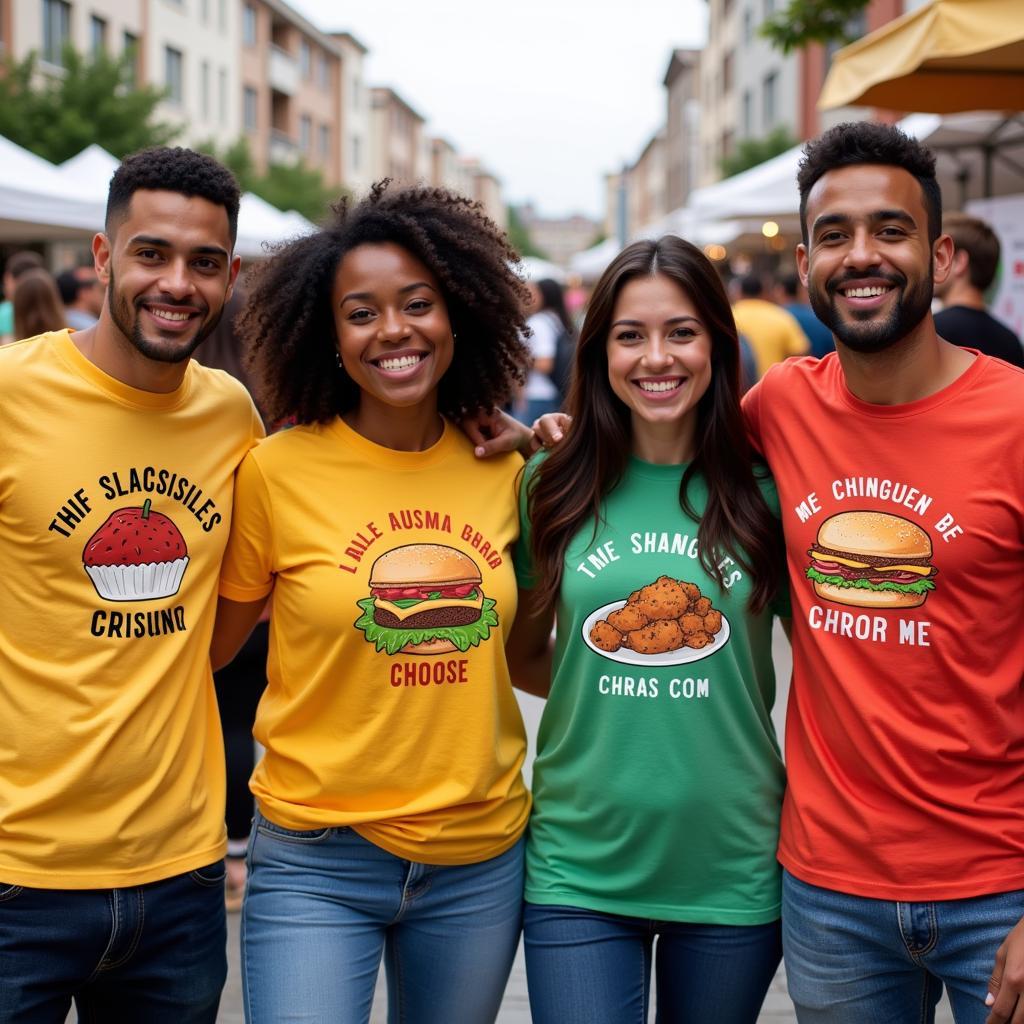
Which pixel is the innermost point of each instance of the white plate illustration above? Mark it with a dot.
(682, 656)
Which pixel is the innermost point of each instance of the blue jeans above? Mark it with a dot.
(587, 967)
(323, 905)
(850, 959)
(153, 954)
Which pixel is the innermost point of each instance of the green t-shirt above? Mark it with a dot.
(658, 779)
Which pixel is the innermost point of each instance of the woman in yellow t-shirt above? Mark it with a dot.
(390, 806)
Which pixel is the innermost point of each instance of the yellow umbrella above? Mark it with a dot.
(946, 56)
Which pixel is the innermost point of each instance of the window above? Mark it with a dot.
(727, 70)
(173, 77)
(131, 51)
(325, 141)
(305, 59)
(249, 112)
(97, 36)
(769, 100)
(223, 98)
(204, 89)
(56, 30)
(305, 132)
(249, 25)
(355, 154)
(748, 114)
(748, 25)
(323, 75)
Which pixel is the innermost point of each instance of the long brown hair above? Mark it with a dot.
(37, 305)
(571, 484)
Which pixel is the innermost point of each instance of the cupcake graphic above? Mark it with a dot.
(136, 555)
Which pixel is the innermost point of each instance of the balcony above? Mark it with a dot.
(283, 149)
(283, 71)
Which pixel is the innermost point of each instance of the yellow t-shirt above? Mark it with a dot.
(419, 750)
(773, 333)
(115, 506)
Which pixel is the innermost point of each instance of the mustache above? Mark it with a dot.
(896, 280)
(164, 299)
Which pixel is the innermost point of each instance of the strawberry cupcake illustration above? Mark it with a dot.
(136, 555)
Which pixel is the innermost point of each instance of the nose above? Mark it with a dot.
(656, 355)
(176, 279)
(391, 325)
(862, 251)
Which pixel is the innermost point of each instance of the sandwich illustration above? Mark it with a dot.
(872, 560)
(425, 599)
(136, 555)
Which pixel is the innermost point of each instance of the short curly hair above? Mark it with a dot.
(288, 324)
(866, 142)
(174, 169)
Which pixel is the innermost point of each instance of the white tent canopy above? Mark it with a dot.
(41, 201)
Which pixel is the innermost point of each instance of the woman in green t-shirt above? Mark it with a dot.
(652, 538)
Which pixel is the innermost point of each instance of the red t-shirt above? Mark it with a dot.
(905, 726)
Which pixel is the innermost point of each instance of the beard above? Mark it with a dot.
(867, 331)
(126, 319)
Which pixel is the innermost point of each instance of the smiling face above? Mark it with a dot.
(868, 265)
(169, 271)
(659, 355)
(394, 335)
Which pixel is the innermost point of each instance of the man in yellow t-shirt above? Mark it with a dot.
(116, 488)
(772, 332)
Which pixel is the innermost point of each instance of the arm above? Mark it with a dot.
(530, 646)
(787, 627)
(235, 621)
(1006, 985)
(495, 433)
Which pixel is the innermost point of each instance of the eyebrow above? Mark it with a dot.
(362, 296)
(830, 219)
(163, 243)
(670, 320)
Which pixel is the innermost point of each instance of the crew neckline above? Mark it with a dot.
(657, 470)
(442, 449)
(117, 389)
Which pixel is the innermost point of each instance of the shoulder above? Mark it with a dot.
(28, 363)
(508, 464)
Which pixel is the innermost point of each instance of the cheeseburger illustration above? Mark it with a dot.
(425, 599)
(872, 560)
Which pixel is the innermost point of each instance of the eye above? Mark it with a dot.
(148, 254)
(360, 316)
(205, 263)
(891, 231)
(418, 306)
(627, 336)
(830, 236)
(684, 333)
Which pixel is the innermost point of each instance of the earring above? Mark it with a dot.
(455, 337)
(337, 358)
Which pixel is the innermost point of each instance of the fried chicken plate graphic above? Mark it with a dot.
(666, 615)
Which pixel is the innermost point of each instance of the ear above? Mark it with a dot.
(101, 248)
(942, 258)
(236, 265)
(802, 263)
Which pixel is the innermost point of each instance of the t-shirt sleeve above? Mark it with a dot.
(526, 576)
(248, 570)
(751, 405)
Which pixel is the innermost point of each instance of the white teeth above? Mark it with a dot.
(399, 363)
(865, 293)
(165, 315)
(659, 385)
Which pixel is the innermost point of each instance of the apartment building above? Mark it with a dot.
(448, 169)
(558, 238)
(682, 125)
(647, 184)
(291, 89)
(356, 168)
(487, 191)
(397, 139)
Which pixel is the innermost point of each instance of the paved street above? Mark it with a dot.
(515, 1009)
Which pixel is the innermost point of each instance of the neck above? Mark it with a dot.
(403, 429)
(107, 348)
(918, 365)
(963, 293)
(665, 444)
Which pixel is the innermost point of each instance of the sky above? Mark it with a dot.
(549, 94)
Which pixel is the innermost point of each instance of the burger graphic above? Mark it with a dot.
(136, 555)
(872, 560)
(425, 599)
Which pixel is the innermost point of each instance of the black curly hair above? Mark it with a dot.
(174, 169)
(288, 324)
(865, 142)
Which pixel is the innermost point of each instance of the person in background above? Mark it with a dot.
(773, 333)
(793, 298)
(82, 295)
(964, 319)
(37, 305)
(546, 324)
(18, 263)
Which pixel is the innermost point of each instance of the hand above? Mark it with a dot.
(495, 433)
(1006, 985)
(551, 428)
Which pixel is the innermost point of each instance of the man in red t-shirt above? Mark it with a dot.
(900, 467)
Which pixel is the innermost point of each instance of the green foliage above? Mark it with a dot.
(56, 115)
(811, 21)
(751, 152)
(520, 237)
(295, 187)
